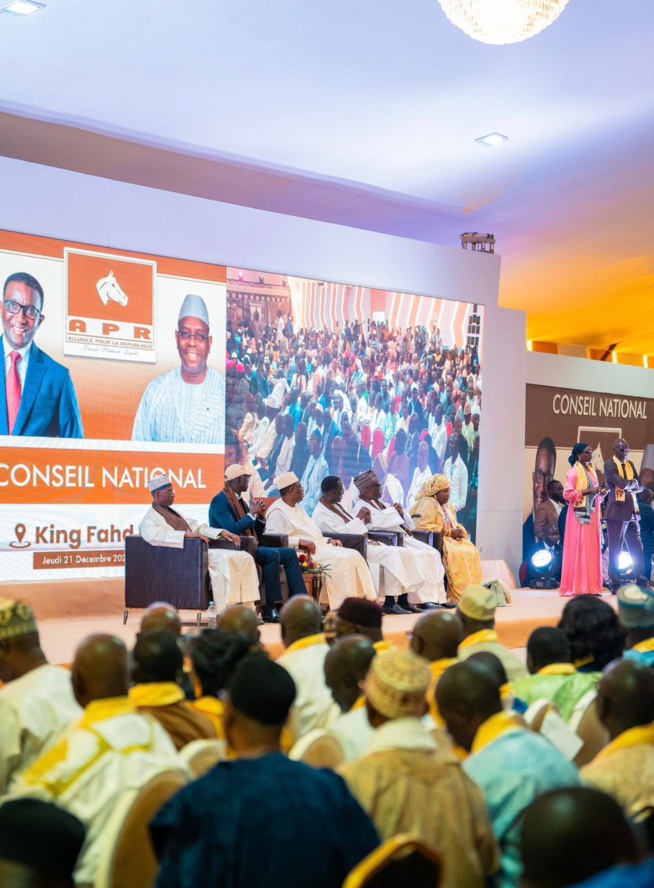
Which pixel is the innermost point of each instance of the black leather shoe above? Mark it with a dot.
(394, 609)
(406, 605)
(428, 606)
(272, 616)
(448, 605)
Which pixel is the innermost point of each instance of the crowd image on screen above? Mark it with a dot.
(361, 396)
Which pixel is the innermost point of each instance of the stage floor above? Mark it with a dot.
(531, 608)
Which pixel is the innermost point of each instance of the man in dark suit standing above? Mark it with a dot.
(229, 511)
(622, 514)
(38, 397)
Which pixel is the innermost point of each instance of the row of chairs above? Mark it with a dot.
(181, 576)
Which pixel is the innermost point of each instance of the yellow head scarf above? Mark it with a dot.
(435, 484)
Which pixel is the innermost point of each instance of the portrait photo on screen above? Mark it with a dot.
(111, 345)
(333, 379)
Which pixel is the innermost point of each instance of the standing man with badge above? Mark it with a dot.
(622, 513)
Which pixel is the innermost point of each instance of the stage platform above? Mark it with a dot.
(60, 635)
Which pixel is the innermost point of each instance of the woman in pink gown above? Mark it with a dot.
(582, 546)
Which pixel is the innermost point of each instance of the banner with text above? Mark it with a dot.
(113, 389)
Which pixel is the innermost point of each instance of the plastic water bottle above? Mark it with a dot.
(211, 616)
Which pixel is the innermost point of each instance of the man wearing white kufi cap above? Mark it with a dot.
(348, 573)
(187, 404)
(233, 574)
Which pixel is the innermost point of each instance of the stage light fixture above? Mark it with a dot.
(502, 21)
(542, 570)
(625, 566)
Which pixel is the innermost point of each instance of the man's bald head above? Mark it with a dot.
(467, 695)
(299, 618)
(240, 620)
(625, 698)
(570, 834)
(161, 617)
(100, 669)
(157, 658)
(437, 636)
(346, 665)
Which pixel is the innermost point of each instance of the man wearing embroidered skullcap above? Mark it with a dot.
(39, 845)
(395, 518)
(625, 706)
(233, 574)
(260, 818)
(636, 615)
(408, 783)
(36, 702)
(476, 611)
(187, 404)
(510, 763)
(112, 749)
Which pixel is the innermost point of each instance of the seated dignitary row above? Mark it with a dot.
(405, 578)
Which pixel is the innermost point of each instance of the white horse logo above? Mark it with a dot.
(109, 289)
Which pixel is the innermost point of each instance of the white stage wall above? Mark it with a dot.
(57, 203)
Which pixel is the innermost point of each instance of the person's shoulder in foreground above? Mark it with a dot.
(261, 819)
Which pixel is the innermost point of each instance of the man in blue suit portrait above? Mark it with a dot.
(38, 396)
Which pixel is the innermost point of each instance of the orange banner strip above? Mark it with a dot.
(34, 476)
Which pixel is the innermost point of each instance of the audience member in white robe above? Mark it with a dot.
(396, 571)
(438, 431)
(346, 666)
(109, 752)
(304, 658)
(348, 573)
(36, 702)
(316, 470)
(385, 517)
(421, 474)
(233, 575)
(455, 469)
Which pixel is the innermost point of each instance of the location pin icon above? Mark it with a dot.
(19, 530)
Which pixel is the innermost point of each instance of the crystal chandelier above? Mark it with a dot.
(502, 21)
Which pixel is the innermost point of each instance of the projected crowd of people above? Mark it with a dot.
(343, 401)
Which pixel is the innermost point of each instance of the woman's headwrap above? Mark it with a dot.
(435, 484)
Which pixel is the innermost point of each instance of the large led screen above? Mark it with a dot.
(131, 365)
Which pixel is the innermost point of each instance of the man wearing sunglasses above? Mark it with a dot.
(38, 397)
(187, 404)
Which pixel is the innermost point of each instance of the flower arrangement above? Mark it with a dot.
(309, 566)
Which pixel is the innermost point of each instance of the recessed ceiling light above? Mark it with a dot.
(492, 139)
(22, 7)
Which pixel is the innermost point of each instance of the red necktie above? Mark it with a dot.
(13, 391)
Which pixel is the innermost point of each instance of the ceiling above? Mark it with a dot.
(365, 113)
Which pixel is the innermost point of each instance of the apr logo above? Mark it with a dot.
(109, 288)
(18, 543)
(109, 306)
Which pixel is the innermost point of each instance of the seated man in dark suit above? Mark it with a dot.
(230, 511)
(38, 396)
